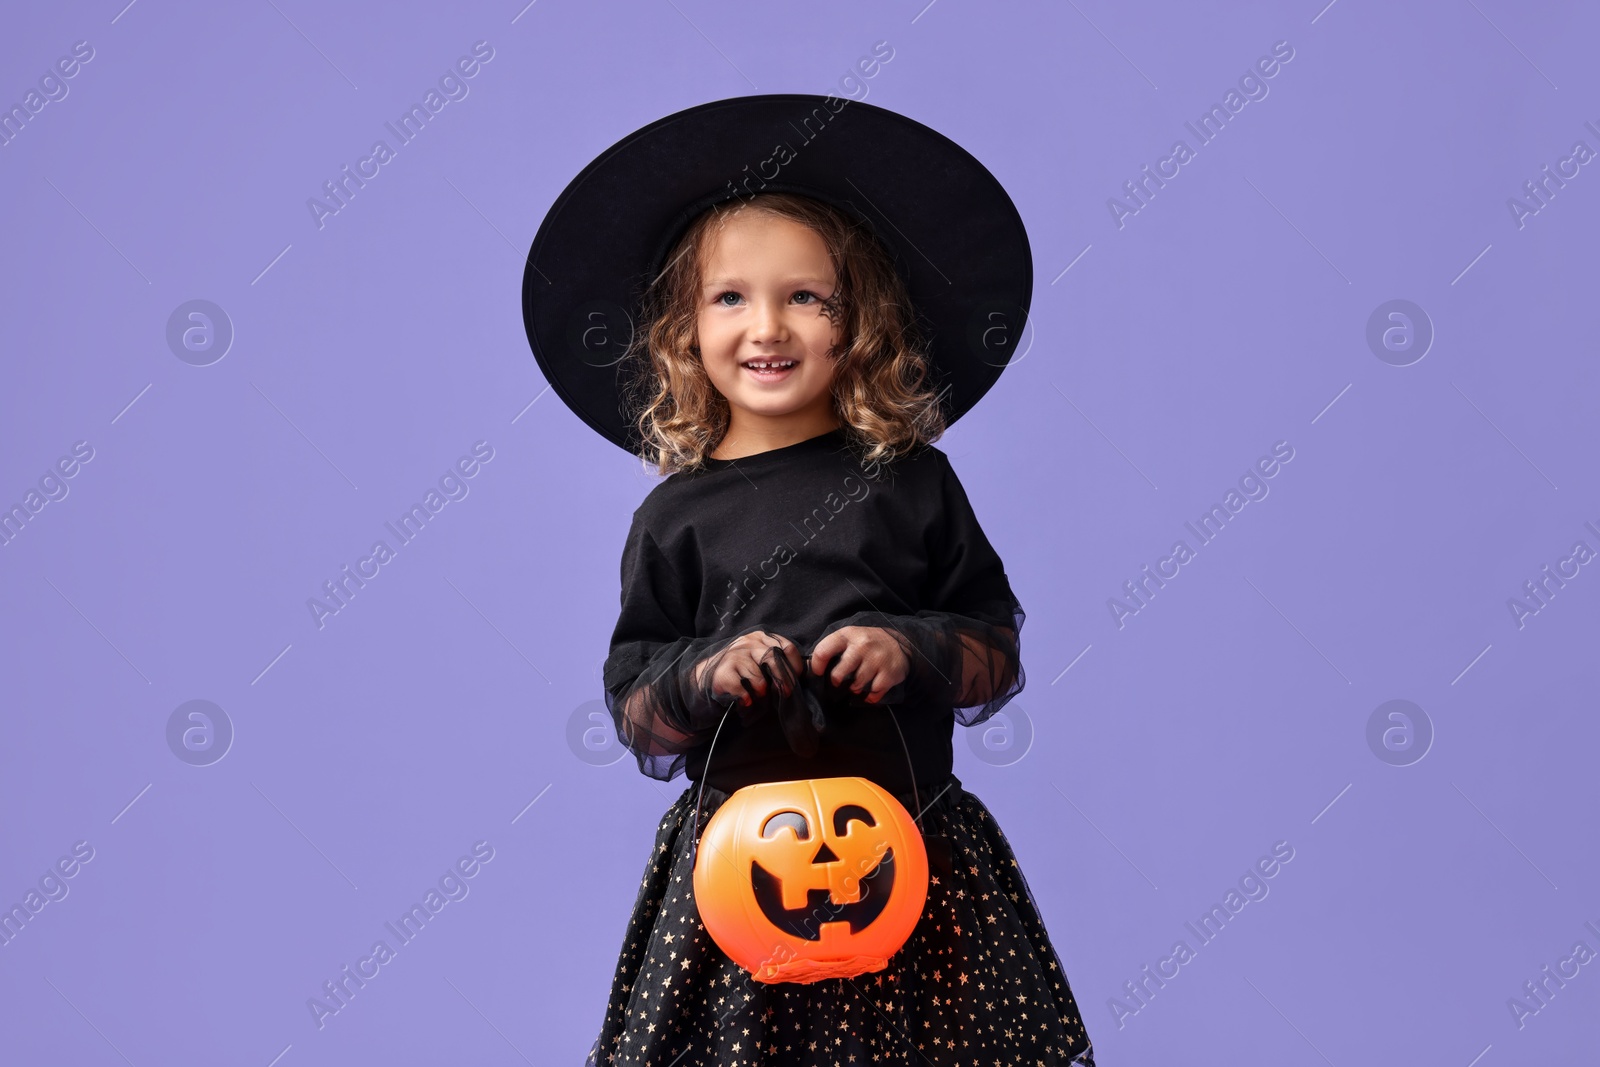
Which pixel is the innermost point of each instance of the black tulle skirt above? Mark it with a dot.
(978, 981)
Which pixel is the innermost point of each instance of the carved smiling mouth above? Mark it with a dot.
(806, 921)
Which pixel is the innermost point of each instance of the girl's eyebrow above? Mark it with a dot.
(734, 283)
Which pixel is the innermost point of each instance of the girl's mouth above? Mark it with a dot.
(770, 370)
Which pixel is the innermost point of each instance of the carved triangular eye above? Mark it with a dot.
(792, 819)
(845, 812)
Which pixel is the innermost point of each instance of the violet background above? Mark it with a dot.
(1229, 314)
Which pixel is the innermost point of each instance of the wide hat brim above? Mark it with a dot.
(957, 239)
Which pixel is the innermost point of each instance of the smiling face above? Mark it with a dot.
(766, 340)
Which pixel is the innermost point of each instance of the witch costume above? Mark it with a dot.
(801, 541)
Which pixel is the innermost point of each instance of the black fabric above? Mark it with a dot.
(978, 980)
(955, 235)
(800, 541)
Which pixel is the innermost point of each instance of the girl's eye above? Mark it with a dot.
(723, 297)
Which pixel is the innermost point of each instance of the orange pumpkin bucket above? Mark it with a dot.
(804, 880)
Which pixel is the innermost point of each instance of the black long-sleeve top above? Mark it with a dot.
(799, 541)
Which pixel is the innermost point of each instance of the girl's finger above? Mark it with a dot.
(793, 656)
(825, 650)
(761, 647)
(880, 685)
(775, 662)
(772, 671)
(876, 671)
(730, 686)
(847, 666)
(736, 677)
(740, 689)
(752, 677)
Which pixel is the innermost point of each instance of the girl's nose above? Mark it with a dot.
(769, 325)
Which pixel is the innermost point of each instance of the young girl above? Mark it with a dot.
(808, 593)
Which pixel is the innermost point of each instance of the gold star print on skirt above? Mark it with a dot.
(977, 983)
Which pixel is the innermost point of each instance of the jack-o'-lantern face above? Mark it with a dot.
(804, 880)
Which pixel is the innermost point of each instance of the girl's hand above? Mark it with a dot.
(871, 660)
(749, 664)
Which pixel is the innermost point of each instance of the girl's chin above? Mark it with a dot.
(765, 405)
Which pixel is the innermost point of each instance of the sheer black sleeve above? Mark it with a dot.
(658, 707)
(964, 647)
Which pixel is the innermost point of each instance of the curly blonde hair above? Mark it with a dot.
(880, 391)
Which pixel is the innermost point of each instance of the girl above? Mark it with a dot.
(808, 594)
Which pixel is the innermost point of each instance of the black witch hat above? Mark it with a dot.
(956, 238)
